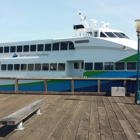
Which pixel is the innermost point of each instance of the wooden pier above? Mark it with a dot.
(73, 117)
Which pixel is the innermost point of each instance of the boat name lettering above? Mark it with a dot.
(81, 41)
(36, 54)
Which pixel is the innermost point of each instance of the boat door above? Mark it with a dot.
(75, 68)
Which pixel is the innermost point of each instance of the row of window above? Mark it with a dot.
(61, 66)
(111, 66)
(38, 47)
(32, 67)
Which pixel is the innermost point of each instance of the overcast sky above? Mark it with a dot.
(22, 20)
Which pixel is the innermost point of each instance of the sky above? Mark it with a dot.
(24, 20)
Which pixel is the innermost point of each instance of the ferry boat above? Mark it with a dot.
(90, 52)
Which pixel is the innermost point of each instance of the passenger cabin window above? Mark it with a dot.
(98, 66)
(45, 66)
(61, 66)
(109, 65)
(119, 66)
(26, 48)
(16, 66)
(3, 67)
(64, 46)
(88, 66)
(12, 49)
(110, 34)
(10, 67)
(53, 66)
(32, 48)
(71, 46)
(37, 67)
(102, 34)
(40, 47)
(30, 67)
(95, 34)
(1, 49)
(23, 67)
(6, 49)
(56, 46)
(131, 65)
(19, 48)
(47, 47)
(124, 35)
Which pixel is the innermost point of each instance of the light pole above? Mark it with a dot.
(137, 95)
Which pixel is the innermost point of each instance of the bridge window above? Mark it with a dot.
(3, 67)
(98, 66)
(109, 65)
(26, 48)
(53, 66)
(1, 49)
(23, 66)
(6, 49)
(61, 66)
(120, 66)
(102, 34)
(10, 66)
(37, 67)
(30, 67)
(110, 34)
(12, 49)
(33, 48)
(131, 65)
(40, 47)
(45, 66)
(56, 46)
(119, 35)
(64, 46)
(88, 66)
(47, 47)
(19, 48)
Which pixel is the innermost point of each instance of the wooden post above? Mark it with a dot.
(98, 86)
(124, 84)
(45, 85)
(16, 85)
(72, 86)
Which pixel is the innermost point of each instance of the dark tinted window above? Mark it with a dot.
(16, 66)
(56, 46)
(3, 67)
(47, 47)
(23, 66)
(45, 66)
(33, 48)
(98, 66)
(102, 34)
(119, 35)
(1, 49)
(12, 49)
(76, 65)
(71, 46)
(61, 66)
(6, 49)
(110, 34)
(19, 48)
(26, 48)
(37, 67)
(53, 66)
(30, 67)
(64, 46)
(40, 47)
(131, 65)
(109, 65)
(120, 66)
(88, 66)
(10, 66)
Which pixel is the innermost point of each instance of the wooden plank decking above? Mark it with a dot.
(71, 117)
